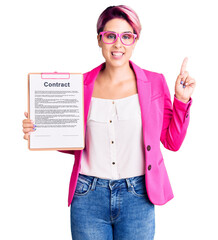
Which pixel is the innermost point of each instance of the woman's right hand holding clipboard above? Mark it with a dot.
(28, 126)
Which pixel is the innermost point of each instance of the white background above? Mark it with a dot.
(50, 35)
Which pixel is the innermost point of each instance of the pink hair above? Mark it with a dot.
(120, 11)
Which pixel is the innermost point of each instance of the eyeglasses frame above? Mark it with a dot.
(118, 35)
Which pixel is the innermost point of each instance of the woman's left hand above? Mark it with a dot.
(185, 84)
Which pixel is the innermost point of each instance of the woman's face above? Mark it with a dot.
(111, 52)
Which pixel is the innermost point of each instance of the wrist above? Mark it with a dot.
(182, 99)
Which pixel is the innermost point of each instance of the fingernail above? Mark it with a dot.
(183, 86)
(34, 125)
(181, 82)
(34, 128)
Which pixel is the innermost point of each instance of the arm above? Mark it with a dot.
(175, 120)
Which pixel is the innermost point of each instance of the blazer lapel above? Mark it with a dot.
(88, 90)
(144, 94)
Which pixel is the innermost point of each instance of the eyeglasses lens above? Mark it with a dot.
(126, 38)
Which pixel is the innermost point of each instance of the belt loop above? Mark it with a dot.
(129, 185)
(94, 183)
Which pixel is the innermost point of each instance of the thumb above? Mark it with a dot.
(179, 79)
(26, 114)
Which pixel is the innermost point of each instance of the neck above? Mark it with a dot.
(115, 75)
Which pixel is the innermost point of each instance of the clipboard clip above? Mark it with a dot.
(55, 75)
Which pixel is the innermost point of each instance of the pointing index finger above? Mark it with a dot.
(183, 67)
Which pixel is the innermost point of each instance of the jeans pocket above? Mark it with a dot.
(82, 187)
(139, 189)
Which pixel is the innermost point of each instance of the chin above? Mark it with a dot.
(118, 63)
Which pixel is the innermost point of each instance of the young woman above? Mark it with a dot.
(120, 175)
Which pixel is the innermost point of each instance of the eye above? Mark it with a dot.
(127, 36)
(110, 36)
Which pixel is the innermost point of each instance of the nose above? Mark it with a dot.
(118, 43)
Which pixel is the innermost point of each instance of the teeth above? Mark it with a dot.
(117, 54)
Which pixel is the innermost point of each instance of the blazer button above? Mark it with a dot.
(149, 167)
(148, 147)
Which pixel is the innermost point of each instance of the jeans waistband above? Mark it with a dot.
(92, 180)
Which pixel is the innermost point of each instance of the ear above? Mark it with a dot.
(99, 41)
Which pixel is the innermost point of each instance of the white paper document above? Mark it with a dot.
(55, 104)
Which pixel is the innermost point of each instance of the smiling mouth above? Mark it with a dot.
(117, 53)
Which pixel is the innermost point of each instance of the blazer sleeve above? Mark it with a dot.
(175, 120)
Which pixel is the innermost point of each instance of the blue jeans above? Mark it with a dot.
(104, 209)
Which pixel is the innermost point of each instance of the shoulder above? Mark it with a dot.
(88, 76)
(156, 79)
(151, 76)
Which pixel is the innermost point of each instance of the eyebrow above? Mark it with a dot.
(122, 32)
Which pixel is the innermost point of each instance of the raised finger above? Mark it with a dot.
(183, 67)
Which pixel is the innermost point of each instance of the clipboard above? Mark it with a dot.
(56, 106)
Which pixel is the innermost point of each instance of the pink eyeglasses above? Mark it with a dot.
(127, 38)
